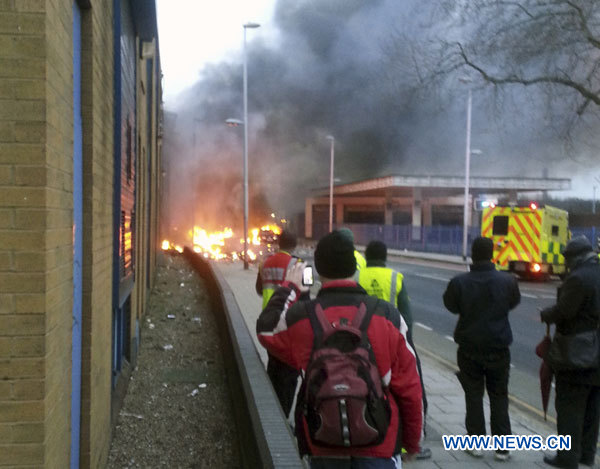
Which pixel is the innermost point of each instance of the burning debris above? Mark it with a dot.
(222, 245)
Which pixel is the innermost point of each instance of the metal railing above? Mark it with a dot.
(439, 239)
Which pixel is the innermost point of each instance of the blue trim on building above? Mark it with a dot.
(77, 242)
(117, 182)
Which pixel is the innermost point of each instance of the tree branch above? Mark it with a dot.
(515, 79)
(584, 25)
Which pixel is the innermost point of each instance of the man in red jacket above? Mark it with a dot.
(271, 274)
(284, 329)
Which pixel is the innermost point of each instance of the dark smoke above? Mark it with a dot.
(330, 73)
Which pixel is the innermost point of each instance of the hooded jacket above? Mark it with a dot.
(284, 329)
(577, 308)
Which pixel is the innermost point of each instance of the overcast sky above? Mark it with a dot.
(195, 32)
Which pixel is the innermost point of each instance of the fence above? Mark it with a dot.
(438, 239)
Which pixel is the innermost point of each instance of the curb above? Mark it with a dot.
(265, 437)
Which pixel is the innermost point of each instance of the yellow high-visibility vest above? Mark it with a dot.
(382, 282)
(361, 262)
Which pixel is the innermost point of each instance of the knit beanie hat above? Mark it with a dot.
(287, 240)
(577, 246)
(334, 256)
(376, 251)
(482, 249)
(347, 233)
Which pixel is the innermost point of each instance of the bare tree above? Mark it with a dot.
(551, 44)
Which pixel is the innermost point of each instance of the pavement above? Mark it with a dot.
(445, 396)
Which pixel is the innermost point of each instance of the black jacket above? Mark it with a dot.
(578, 299)
(482, 298)
(577, 309)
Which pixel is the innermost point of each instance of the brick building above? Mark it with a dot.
(79, 189)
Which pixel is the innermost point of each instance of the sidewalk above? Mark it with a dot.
(445, 396)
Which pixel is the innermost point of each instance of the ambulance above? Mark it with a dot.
(528, 240)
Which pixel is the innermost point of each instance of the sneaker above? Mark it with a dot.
(476, 453)
(424, 453)
(502, 455)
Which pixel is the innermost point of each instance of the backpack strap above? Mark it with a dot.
(323, 321)
(315, 323)
(359, 317)
(370, 305)
(320, 324)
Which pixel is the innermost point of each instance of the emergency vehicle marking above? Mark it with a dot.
(529, 235)
(498, 257)
(525, 244)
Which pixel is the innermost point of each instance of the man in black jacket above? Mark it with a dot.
(577, 392)
(482, 299)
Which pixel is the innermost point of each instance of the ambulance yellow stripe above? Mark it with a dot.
(501, 256)
(488, 216)
(526, 239)
(519, 254)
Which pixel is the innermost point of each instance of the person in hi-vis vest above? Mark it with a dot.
(271, 275)
(388, 284)
(361, 263)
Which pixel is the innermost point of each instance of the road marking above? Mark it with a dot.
(433, 277)
(423, 326)
(512, 366)
(529, 295)
(451, 339)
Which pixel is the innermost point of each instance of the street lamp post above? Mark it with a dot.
(467, 175)
(331, 159)
(596, 179)
(246, 26)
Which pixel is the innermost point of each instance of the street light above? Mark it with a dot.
(467, 171)
(597, 179)
(331, 158)
(245, 120)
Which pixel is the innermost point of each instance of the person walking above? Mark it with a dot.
(271, 274)
(577, 309)
(389, 285)
(294, 331)
(482, 299)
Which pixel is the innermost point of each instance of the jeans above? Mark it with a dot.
(284, 379)
(489, 369)
(577, 414)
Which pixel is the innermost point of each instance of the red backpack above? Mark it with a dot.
(342, 397)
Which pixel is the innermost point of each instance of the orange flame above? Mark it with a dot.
(210, 244)
(274, 228)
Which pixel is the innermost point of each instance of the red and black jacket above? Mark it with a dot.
(284, 329)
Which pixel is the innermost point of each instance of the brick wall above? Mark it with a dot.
(36, 205)
(59, 222)
(98, 160)
(23, 220)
